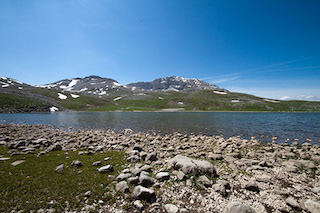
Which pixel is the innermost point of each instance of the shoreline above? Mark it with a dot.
(179, 111)
(257, 176)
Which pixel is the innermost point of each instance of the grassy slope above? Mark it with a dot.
(204, 100)
(37, 176)
(13, 103)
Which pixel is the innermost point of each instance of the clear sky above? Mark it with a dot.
(269, 48)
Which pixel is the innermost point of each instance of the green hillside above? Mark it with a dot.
(34, 99)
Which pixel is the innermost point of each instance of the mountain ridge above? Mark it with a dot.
(94, 93)
(96, 85)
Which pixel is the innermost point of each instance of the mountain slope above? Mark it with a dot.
(91, 85)
(166, 94)
(174, 83)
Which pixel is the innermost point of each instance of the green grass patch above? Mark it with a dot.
(10, 102)
(34, 184)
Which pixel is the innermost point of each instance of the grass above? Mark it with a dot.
(34, 184)
(14, 102)
(203, 100)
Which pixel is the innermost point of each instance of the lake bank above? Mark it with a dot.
(239, 172)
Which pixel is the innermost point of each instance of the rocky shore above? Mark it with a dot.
(185, 173)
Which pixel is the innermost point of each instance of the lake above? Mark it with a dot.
(247, 124)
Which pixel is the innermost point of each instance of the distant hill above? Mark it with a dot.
(94, 93)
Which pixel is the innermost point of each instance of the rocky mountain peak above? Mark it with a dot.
(93, 84)
(174, 83)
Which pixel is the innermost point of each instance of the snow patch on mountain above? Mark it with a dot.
(62, 96)
(75, 96)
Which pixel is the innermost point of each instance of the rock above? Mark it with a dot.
(122, 176)
(4, 159)
(76, 163)
(170, 208)
(220, 188)
(56, 147)
(133, 159)
(191, 166)
(251, 186)
(126, 171)
(215, 156)
(312, 206)
(142, 193)
(19, 144)
(292, 202)
(96, 163)
(146, 168)
(183, 210)
(135, 171)
(163, 176)
(122, 187)
(59, 168)
(143, 155)
(28, 150)
(133, 180)
(224, 183)
(105, 169)
(16, 163)
(189, 182)
(146, 180)
(181, 176)
(106, 159)
(238, 207)
(138, 204)
(204, 181)
(137, 147)
(316, 190)
(87, 194)
(263, 178)
(151, 157)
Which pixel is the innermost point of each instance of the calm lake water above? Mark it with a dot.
(246, 124)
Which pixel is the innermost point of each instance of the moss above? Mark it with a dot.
(34, 184)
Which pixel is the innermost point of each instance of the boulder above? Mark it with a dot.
(146, 168)
(96, 163)
(87, 194)
(251, 186)
(122, 187)
(138, 204)
(76, 163)
(163, 176)
(238, 207)
(170, 208)
(181, 176)
(204, 181)
(191, 166)
(143, 193)
(133, 180)
(105, 169)
(123, 176)
(59, 168)
(312, 206)
(146, 180)
(292, 202)
(17, 162)
(151, 157)
(220, 188)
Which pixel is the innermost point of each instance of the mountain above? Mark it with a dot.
(174, 83)
(94, 93)
(91, 85)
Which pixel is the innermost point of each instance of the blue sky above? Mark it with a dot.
(269, 48)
